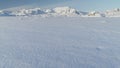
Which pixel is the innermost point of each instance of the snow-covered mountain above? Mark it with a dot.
(5, 13)
(37, 11)
(113, 13)
(24, 12)
(66, 11)
(93, 14)
(60, 11)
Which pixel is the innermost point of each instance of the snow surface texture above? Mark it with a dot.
(60, 11)
(59, 42)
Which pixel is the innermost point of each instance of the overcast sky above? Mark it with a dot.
(78, 4)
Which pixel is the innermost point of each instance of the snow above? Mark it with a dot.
(66, 11)
(59, 42)
(59, 11)
(113, 13)
(94, 14)
(24, 12)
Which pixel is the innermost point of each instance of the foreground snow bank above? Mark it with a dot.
(61, 42)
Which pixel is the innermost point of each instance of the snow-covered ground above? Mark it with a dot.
(59, 42)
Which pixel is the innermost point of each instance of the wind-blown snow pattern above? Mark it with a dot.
(60, 11)
(59, 42)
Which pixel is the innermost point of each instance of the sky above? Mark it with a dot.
(85, 5)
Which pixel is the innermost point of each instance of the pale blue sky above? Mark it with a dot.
(85, 5)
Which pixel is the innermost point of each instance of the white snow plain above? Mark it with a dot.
(59, 42)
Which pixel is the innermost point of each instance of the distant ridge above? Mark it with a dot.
(60, 11)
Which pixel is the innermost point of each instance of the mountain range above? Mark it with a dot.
(60, 11)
